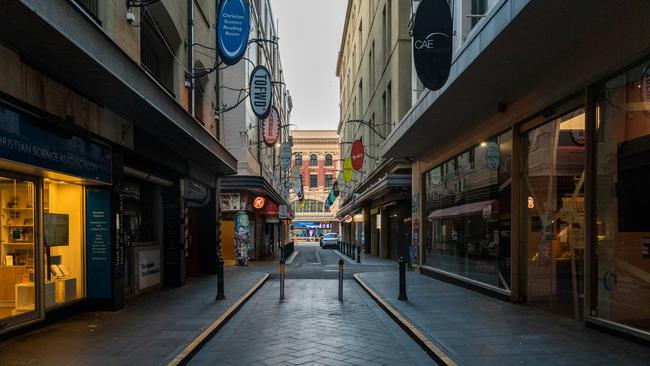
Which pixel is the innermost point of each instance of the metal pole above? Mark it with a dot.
(341, 268)
(359, 254)
(402, 280)
(353, 251)
(282, 279)
(220, 292)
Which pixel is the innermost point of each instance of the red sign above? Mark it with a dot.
(259, 202)
(271, 128)
(357, 155)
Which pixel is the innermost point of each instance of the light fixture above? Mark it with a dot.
(483, 144)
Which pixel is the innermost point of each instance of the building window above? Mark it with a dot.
(155, 52)
(90, 6)
(199, 88)
(622, 246)
(328, 180)
(298, 160)
(478, 10)
(467, 225)
(308, 206)
(328, 160)
(313, 160)
(313, 180)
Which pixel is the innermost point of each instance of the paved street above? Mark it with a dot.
(311, 327)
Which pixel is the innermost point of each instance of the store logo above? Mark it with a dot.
(261, 93)
(430, 41)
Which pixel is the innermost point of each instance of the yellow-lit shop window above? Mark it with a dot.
(64, 242)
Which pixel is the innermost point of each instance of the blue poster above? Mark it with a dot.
(233, 27)
(98, 243)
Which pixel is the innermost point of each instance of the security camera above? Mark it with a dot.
(130, 17)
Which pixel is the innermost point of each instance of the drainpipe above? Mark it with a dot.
(190, 57)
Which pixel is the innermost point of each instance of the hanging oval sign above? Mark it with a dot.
(271, 127)
(357, 155)
(261, 92)
(348, 170)
(492, 155)
(432, 35)
(285, 156)
(340, 178)
(335, 189)
(233, 28)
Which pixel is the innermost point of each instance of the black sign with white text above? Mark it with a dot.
(432, 43)
(261, 94)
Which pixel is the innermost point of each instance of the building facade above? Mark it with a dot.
(527, 184)
(110, 153)
(373, 67)
(316, 155)
(258, 167)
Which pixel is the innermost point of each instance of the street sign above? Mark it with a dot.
(261, 93)
(271, 127)
(233, 27)
(348, 170)
(285, 156)
(358, 154)
(432, 43)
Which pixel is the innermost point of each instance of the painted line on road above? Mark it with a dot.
(195, 346)
(435, 352)
(292, 257)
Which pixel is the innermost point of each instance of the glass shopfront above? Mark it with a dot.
(554, 215)
(622, 244)
(467, 206)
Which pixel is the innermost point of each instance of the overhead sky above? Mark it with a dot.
(310, 36)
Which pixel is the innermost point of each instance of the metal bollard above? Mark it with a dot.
(358, 253)
(341, 268)
(282, 279)
(402, 280)
(220, 292)
(354, 250)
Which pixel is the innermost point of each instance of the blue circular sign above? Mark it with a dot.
(492, 155)
(233, 27)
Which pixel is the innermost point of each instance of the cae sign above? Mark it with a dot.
(432, 32)
(233, 25)
(261, 94)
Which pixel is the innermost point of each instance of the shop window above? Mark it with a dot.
(63, 239)
(313, 160)
(298, 160)
(313, 180)
(554, 223)
(622, 244)
(468, 214)
(17, 275)
(328, 160)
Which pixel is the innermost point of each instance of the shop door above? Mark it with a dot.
(554, 224)
(20, 277)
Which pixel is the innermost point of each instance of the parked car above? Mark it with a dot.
(329, 240)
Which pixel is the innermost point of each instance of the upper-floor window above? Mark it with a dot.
(156, 52)
(328, 160)
(313, 160)
(90, 6)
(298, 160)
(328, 180)
(313, 180)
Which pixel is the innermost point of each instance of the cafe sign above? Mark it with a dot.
(271, 128)
(358, 154)
(432, 43)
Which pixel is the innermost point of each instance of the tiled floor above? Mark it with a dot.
(311, 327)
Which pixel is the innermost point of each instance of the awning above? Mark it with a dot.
(381, 188)
(464, 210)
(252, 183)
(57, 39)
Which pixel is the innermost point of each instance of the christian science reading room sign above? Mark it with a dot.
(261, 94)
(233, 26)
(432, 32)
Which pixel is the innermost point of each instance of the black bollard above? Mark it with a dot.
(402, 280)
(354, 249)
(220, 292)
(341, 279)
(359, 254)
(282, 279)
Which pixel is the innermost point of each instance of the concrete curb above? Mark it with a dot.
(437, 354)
(292, 257)
(195, 346)
(345, 258)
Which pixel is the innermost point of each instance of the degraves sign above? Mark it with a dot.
(358, 153)
(271, 127)
(261, 94)
(233, 25)
(432, 32)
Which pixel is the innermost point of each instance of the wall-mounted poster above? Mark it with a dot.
(230, 202)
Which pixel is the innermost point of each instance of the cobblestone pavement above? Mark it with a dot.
(311, 327)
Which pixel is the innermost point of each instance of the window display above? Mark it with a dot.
(622, 245)
(554, 217)
(467, 206)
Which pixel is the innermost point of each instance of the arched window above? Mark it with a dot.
(313, 160)
(298, 160)
(328, 160)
